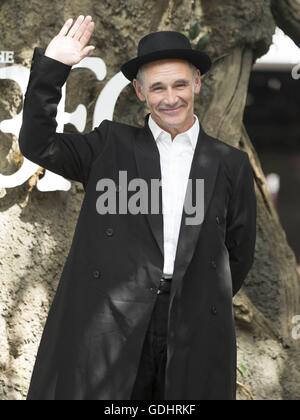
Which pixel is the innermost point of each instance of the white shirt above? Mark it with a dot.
(175, 162)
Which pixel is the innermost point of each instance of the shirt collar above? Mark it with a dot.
(192, 132)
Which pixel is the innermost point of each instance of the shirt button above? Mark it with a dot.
(109, 231)
(214, 310)
(96, 274)
(213, 264)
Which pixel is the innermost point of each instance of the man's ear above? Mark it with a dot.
(138, 90)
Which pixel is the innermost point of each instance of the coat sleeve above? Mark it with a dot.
(241, 225)
(67, 154)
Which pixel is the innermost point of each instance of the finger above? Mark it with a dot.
(86, 36)
(66, 27)
(80, 31)
(76, 25)
(87, 51)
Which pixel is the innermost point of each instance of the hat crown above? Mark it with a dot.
(163, 40)
(165, 45)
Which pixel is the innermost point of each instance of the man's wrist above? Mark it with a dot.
(56, 70)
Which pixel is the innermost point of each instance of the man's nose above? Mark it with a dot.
(171, 97)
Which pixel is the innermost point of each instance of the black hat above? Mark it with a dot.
(165, 44)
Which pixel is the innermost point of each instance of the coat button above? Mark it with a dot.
(218, 220)
(153, 289)
(213, 264)
(96, 274)
(109, 231)
(214, 310)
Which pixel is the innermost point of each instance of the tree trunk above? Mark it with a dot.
(34, 238)
(287, 16)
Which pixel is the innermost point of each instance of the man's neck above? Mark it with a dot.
(174, 131)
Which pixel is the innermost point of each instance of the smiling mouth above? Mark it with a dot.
(172, 111)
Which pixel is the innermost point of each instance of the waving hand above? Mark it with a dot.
(70, 46)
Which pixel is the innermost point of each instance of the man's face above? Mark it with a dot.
(168, 88)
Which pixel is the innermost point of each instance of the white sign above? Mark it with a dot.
(283, 54)
(7, 57)
(104, 109)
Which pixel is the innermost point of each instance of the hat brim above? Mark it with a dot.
(200, 60)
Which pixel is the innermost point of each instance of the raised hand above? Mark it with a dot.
(70, 45)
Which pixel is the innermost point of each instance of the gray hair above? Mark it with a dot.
(141, 72)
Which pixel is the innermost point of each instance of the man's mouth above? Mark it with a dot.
(172, 111)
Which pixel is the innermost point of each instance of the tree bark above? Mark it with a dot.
(287, 17)
(34, 238)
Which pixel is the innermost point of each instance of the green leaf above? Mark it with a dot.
(194, 30)
(203, 42)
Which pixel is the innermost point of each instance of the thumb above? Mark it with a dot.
(88, 50)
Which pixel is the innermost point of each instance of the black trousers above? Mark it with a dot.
(150, 379)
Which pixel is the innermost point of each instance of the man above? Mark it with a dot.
(143, 309)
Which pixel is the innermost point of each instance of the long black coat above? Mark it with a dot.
(93, 337)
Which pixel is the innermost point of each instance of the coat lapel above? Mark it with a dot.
(148, 166)
(204, 166)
